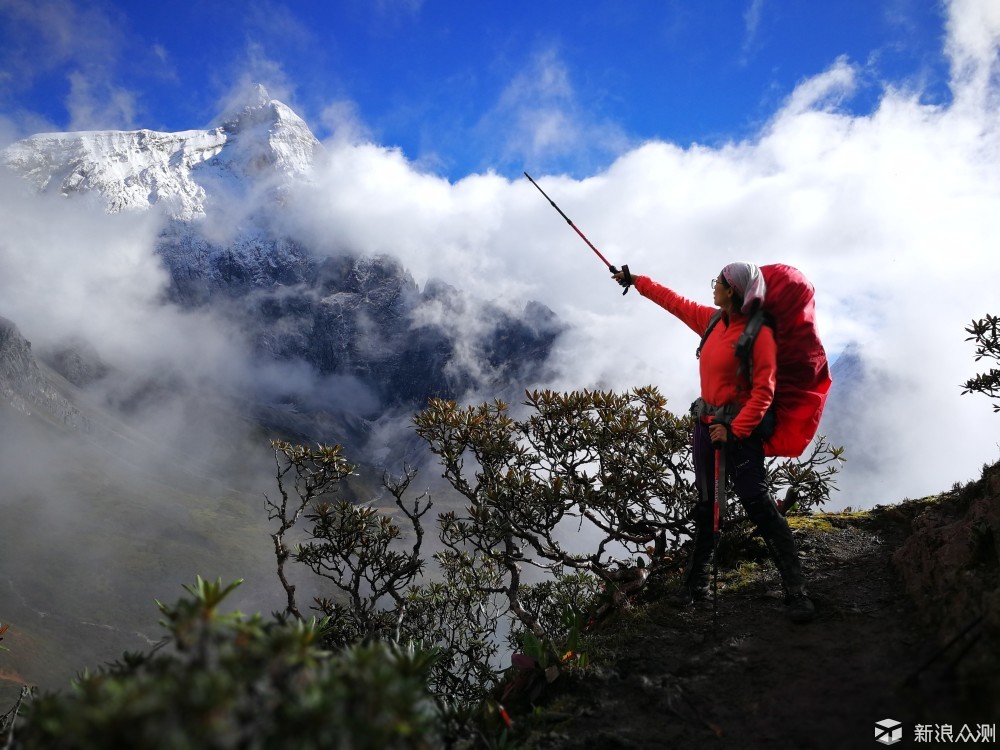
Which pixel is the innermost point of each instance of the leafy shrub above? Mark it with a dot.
(807, 482)
(582, 488)
(231, 681)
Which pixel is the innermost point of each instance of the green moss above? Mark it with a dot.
(743, 576)
(817, 523)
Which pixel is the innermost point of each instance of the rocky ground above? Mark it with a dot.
(908, 628)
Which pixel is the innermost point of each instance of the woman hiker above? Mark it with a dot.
(733, 411)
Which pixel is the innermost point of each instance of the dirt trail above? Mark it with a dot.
(751, 678)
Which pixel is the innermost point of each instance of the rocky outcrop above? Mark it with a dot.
(736, 673)
(77, 361)
(950, 565)
(202, 270)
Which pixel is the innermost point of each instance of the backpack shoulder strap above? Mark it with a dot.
(712, 322)
(744, 347)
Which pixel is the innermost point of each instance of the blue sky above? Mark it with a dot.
(461, 87)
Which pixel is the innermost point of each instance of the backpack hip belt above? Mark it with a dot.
(700, 409)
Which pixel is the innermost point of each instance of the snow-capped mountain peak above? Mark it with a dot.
(261, 141)
(264, 135)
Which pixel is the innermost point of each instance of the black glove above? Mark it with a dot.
(626, 280)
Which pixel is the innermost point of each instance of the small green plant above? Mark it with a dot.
(565, 608)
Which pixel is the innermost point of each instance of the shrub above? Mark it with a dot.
(231, 681)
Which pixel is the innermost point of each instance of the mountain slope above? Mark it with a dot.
(119, 484)
(25, 388)
(98, 518)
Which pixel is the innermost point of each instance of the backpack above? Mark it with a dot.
(803, 377)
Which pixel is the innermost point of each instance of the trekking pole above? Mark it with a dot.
(628, 276)
(941, 651)
(718, 514)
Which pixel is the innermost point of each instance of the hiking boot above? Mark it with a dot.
(687, 595)
(800, 607)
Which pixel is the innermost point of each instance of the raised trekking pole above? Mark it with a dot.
(718, 514)
(627, 282)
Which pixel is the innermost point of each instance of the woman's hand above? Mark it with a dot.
(718, 433)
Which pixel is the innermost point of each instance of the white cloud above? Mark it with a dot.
(83, 42)
(824, 91)
(99, 107)
(751, 19)
(68, 270)
(343, 120)
(973, 44)
(540, 121)
(53, 32)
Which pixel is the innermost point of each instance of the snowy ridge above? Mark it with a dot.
(263, 142)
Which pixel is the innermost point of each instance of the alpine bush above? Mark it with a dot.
(232, 681)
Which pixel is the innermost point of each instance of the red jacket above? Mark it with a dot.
(721, 381)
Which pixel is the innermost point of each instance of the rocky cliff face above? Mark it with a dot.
(26, 389)
(360, 317)
(950, 565)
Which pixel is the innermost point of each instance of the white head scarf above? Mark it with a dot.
(748, 282)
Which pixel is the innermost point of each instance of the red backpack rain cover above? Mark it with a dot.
(803, 378)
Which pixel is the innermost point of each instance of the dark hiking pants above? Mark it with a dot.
(745, 467)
